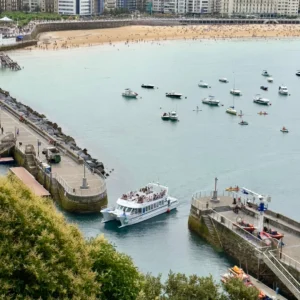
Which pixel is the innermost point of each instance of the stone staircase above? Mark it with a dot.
(6, 147)
(212, 229)
(282, 273)
(30, 164)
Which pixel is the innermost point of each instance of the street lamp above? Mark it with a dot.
(38, 146)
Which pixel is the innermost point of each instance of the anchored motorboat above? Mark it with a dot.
(138, 206)
(270, 79)
(282, 90)
(243, 123)
(173, 116)
(260, 100)
(210, 100)
(173, 95)
(203, 84)
(224, 80)
(264, 113)
(264, 88)
(265, 73)
(235, 92)
(230, 110)
(284, 130)
(298, 73)
(165, 116)
(128, 93)
(148, 86)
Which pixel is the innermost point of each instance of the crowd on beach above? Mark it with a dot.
(157, 34)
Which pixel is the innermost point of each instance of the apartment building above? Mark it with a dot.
(76, 7)
(10, 5)
(199, 6)
(170, 6)
(49, 6)
(110, 4)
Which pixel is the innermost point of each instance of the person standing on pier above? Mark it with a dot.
(2, 130)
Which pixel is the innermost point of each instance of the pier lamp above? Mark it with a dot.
(84, 179)
(38, 146)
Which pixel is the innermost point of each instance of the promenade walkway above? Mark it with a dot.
(68, 172)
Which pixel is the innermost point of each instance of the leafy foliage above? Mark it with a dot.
(25, 17)
(237, 290)
(116, 273)
(41, 255)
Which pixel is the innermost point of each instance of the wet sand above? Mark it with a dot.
(140, 34)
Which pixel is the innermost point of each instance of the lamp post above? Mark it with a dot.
(38, 146)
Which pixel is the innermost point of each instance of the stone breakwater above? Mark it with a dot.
(56, 133)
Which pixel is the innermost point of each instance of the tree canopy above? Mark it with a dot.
(44, 257)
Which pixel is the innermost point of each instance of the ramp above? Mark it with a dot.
(30, 181)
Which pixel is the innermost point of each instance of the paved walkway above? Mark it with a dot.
(68, 172)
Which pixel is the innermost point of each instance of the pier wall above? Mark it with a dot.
(244, 253)
(27, 43)
(72, 200)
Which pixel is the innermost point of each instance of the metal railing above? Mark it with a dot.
(286, 259)
(291, 283)
(247, 236)
(77, 191)
(202, 194)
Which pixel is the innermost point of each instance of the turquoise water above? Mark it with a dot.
(81, 90)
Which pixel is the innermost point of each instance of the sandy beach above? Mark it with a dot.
(137, 34)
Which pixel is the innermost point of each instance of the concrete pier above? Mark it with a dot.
(65, 181)
(272, 262)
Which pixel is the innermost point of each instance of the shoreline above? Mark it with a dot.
(70, 39)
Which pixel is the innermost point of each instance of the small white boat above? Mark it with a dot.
(173, 95)
(128, 93)
(270, 79)
(224, 80)
(203, 84)
(235, 92)
(165, 116)
(243, 123)
(230, 110)
(138, 206)
(173, 116)
(282, 90)
(260, 100)
(298, 73)
(210, 100)
(265, 73)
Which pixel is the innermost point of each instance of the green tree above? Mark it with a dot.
(118, 276)
(41, 256)
(237, 290)
(151, 287)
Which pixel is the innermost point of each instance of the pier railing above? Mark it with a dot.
(77, 191)
(202, 194)
(288, 279)
(286, 259)
(247, 236)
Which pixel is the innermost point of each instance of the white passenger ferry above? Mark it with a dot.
(138, 206)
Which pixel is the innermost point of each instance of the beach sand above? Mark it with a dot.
(133, 34)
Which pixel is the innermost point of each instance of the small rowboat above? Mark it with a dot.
(232, 189)
(284, 130)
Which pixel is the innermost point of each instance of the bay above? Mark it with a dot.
(80, 89)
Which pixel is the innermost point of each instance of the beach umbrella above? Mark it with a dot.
(6, 19)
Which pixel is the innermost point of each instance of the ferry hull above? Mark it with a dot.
(127, 220)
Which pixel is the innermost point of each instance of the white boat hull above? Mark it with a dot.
(127, 220)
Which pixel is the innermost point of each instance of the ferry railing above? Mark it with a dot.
(286, 259)
(247, 236)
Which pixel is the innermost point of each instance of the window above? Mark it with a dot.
(151, 206)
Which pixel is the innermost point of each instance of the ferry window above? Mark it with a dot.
(134, 211)
(144, 210)
(140, 210)
(151, 206)
(148, 208)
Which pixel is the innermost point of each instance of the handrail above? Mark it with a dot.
(287, 259)
(283, 271)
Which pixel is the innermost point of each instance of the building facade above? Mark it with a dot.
(49, 6)
(76, 7)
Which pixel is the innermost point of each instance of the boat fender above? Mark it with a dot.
(168, 210)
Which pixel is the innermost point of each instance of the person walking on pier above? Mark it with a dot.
(2, 130)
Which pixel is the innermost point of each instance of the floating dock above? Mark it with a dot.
(215, 218)
(30, 181)
(71, 182)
